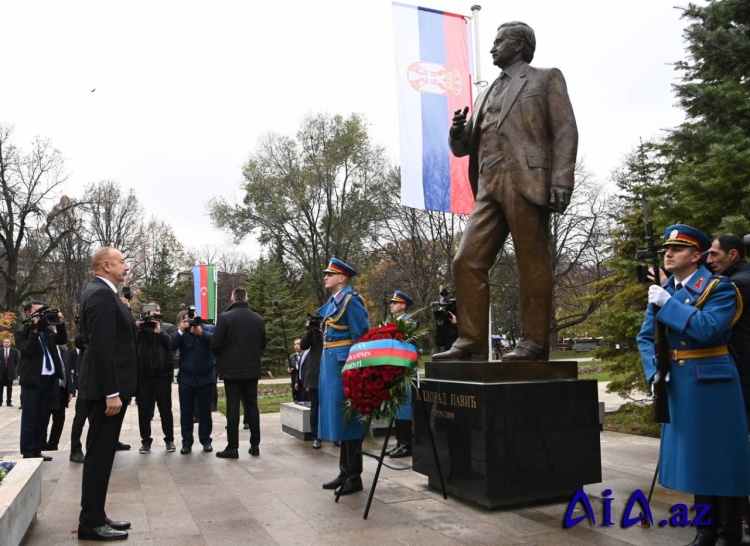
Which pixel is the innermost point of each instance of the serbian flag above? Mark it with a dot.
(433, 80)
(204, 285)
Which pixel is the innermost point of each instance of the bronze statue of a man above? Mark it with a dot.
(522, 141)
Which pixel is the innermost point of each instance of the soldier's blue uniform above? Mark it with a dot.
(404, 410)
(345, 320)
(705, 448)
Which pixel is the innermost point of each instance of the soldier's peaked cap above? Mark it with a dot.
(684, 235)
(336, 266)
(400, 297)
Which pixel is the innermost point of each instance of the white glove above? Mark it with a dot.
(657, 295)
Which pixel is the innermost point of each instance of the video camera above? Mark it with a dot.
(193, 318)
(314, 322)
(149, 317)
(446, 304)
(46, 316)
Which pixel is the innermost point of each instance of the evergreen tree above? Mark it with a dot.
(690, 176)
(706, 160)
(159, 282)
(266, 285)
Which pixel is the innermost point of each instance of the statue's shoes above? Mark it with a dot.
(456, 353)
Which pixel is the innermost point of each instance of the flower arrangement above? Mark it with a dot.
(380, 369)
(5, 467)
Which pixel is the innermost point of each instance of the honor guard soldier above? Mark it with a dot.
(704, 449)
(399, 304)
(345, 320)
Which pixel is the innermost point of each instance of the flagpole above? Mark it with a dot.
(477, 65)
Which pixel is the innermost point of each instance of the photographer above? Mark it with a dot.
(195, 379)
(156, 370)
(312, 345)
(446, 329)
(40, 371)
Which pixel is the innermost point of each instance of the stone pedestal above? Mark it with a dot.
(295, 420)
(506, 435)
(20, 495)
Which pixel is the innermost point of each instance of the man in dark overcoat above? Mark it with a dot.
(238, 343)
(311, 344)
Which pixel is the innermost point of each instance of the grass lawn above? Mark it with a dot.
(633, 419)
(270, 397)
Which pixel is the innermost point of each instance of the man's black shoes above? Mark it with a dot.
(122, 447)
(39, 455)
(254, 451)
(103, 534)
(49, 447)
(246, 426)
(170, 446)
(76, 457)
(184, 450)
(208, 448)
(316, 444)
(117, 525)
(352, 485)
(404, 450)
(228, 454)
(336, 483)
(145, 448)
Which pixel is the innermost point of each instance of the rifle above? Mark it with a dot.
(661, 347)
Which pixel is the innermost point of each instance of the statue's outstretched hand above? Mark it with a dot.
(459, 121)
(559, 198)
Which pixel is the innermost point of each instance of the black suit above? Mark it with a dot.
(8, 372)
(60, 397)
(312, 342)
(109, 367)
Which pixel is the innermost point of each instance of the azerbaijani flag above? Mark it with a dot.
(433, 79)
(205, 287)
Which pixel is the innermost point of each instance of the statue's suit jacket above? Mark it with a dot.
(533, 147)
(536, 130)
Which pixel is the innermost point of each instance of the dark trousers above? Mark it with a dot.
(247, 391)
(155, 391)
(37, 403)
(76, 429)
(295, 379)
(58, 421)
(57, 415)
(6, 382)
(101, 442)
(350, 460)
(403, 431)
(312, 395)
(189, 396)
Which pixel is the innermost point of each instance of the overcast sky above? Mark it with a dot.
(184, 89)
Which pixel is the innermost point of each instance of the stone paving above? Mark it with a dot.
(276, 499)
